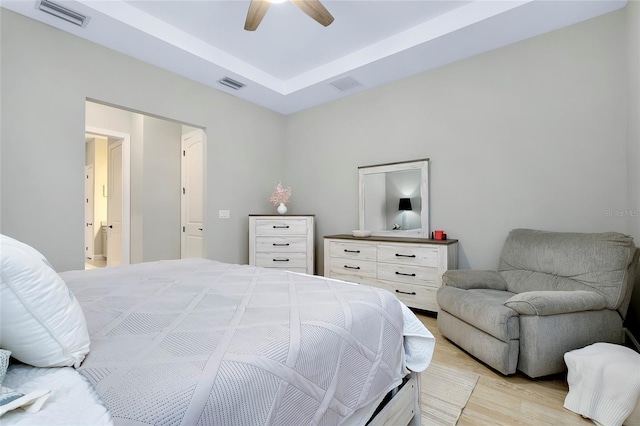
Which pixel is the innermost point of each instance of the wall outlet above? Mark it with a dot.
(224, 214)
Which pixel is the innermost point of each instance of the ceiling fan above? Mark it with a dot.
(313, 8)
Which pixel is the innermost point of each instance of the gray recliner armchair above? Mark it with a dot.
(553, 292)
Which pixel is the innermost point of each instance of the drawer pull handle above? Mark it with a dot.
(280, 226)
(406, 275)
(412, 293)
(281, 244)
(280, 260)
(405, 255)
(351, 251)
(351, 267)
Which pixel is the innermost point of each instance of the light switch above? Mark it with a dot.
(224, 214)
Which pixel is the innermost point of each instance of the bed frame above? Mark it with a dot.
(402, 405)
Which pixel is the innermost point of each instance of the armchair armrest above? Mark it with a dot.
(543, 303)
(469, 278)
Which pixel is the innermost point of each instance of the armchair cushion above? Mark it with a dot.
(468, 278)
(568, 261)
(555, 302)
(483, 308)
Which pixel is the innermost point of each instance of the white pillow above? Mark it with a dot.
(41, 322)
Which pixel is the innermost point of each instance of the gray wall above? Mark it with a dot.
(537, 134)
(633, 114)
(46, 76)
(161, 226)
(633, 159)
(530, 135)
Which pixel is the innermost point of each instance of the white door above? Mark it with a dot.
(89, 234)
(114, 205)
(192, 240)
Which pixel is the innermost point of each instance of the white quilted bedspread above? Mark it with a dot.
(199, 342)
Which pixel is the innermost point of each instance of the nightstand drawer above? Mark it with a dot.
(281, 260)
(419, 275)
(348, 250)
(353, 267)
(281, 244)
(277, 226)
(408, 255)
(416, 296)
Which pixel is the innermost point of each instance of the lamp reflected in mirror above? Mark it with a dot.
(404, 206)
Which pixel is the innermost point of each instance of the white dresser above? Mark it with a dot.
(411, 268)
(282, 241)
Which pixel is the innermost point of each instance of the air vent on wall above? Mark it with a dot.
(63, 13)
(345, 83)
(229, 82)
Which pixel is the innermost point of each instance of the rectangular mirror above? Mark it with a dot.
(394, 199)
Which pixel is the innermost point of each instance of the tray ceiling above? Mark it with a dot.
(290, 62)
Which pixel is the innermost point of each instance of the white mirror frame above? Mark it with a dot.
(423, 166)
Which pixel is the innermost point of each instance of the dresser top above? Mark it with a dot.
(282, 215)
(391, 239)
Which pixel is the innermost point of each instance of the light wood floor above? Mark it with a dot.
(93, 264)
(505, 400)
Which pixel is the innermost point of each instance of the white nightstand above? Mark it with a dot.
(282, 241)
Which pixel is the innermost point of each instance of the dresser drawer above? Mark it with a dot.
(282, 260)
(408, 254)
(298, 270)
(281, 244)
(352, 267)
(420, 275)
(348, 250)
(356, 279)
(416, 296)
(277, 226)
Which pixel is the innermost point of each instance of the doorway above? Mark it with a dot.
(91, 251)
(107, 197)
(192, 208)
(163, 190)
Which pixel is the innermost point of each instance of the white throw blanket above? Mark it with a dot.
(604, 382)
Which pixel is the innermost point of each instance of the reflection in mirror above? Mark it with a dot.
(393, 199)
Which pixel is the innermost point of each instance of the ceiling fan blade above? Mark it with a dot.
(316, 10)
(256, 12)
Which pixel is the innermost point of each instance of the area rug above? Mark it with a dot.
(444, 391)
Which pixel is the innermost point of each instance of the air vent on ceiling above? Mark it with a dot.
(229, 82)
(345, 83)
(63, 13)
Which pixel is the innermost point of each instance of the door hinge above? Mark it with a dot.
(183, 229)
(184, 153)
(183, 191)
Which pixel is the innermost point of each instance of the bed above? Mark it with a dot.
(200, 342)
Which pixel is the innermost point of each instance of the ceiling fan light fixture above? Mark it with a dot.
(313, 8)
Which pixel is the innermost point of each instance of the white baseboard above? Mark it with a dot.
(98, 257)
(628, 337)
